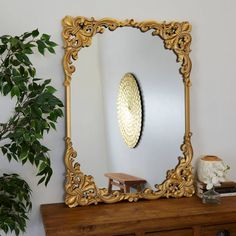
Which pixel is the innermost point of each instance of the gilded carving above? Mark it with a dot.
(77, 34)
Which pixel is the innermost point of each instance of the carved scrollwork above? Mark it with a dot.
(77, 34)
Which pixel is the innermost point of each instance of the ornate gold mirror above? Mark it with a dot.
(82, 33)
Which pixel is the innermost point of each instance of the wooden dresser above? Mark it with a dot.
(163, 217)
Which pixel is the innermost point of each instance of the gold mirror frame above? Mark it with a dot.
(81, 188)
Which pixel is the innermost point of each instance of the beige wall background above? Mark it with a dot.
(213, 97)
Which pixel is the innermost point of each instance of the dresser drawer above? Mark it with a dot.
(165, 217)
(220, 230)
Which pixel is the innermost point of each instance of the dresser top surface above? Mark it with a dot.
(137, 211)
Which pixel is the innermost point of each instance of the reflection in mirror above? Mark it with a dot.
(92, 129)
(94, 94)
(129, 110)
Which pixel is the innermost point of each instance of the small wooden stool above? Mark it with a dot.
(124, 181)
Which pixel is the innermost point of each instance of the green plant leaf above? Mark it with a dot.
(45, 37)
(15, 62)
(51, 50)
(41, 180)
(32, 72)
(6, 89)
(53, 125)
(3, 48)
(6, 62)
(51, 44)
(4, 150)
(5, 39)
(51, 89)
(35, 33)
(15, 91)
(28, 51)
(26, 35)
(14, 41)
(9, 157)
(41, 46)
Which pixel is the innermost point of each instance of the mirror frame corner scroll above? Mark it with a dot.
(81, 188)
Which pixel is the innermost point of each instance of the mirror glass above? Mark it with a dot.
(94, 88)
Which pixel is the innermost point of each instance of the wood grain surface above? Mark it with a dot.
(184, 216)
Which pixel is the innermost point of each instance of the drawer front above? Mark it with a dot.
(178, 232)
(125, 234)
(220, 230)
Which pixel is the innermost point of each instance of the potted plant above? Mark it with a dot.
(36, 112)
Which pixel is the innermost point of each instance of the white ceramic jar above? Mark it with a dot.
(211, 170)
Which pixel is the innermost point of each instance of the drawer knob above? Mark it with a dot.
(223, 233)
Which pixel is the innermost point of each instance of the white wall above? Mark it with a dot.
(213, 98)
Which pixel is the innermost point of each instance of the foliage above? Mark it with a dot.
(37, 108)
(15, 203)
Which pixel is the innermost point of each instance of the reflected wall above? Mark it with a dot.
(157, 72)
(98, 138)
